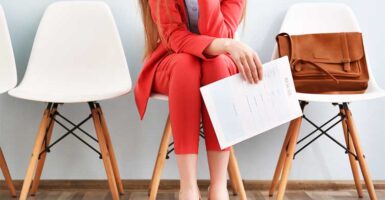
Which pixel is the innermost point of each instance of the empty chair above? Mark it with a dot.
(308, 18)
(77, 57)
(8, 79)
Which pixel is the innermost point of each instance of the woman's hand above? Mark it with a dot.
(246, 59)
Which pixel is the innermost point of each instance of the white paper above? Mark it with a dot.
(239, 110)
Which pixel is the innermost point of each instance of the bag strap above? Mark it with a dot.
(294, 61)
(316, 65)
(290, 44)
(345, 52)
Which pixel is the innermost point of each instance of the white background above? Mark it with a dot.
(136, 142)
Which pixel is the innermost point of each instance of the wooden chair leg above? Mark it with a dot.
(233, 165)
(105, 155)
(159, 164)
(40, 164)
(35, 156)
(233, 183)
(360, 155)
(352, 159)
(289, 157)
(281, 161)
(111, 151)
(7, 175)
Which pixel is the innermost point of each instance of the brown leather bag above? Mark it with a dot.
(326, 62)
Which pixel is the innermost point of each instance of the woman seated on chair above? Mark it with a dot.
(179, 59)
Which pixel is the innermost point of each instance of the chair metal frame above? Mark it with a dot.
(352, 148)
(43, 146)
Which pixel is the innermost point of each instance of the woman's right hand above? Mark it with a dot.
(247, 60)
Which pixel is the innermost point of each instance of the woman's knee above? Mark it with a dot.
(186, 74)
(218, 68)
(186, 66)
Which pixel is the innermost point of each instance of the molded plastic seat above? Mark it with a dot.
(158, 96)
(8, 76)
(307, 18)
(77, 56)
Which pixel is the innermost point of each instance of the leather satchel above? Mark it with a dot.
(326, 62)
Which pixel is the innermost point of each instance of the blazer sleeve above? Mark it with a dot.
(174, 30)
(220, 18)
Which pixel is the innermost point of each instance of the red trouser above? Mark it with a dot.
(180, 76)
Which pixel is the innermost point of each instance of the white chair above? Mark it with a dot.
(307, 18)
(165, 148)
(8, 79)
(77, 57)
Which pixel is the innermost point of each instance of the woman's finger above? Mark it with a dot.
(253, 68)
(240, 68)
(258, 64)
(247, 70)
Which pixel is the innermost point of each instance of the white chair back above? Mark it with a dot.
(8, 76)
(307, 18)
(77, 48)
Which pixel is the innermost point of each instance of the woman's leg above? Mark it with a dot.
(214, 70)
(187, 166)
(178, 76)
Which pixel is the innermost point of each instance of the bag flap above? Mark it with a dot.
(323, 47)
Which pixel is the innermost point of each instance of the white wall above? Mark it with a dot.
(136, 142)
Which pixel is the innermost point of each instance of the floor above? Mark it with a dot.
(170, 195)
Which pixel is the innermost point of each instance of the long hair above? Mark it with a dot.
(152, 35)
(150, 28)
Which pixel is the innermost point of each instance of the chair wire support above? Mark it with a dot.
(324, 132)
(53, 118)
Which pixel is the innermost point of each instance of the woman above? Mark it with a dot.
(178, 62)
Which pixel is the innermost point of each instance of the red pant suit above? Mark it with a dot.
(178, 67)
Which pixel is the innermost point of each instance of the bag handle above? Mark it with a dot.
(293, 61)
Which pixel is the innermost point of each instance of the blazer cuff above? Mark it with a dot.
(200, 45)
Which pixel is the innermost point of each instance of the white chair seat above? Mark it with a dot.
(158, 96)
(68, 93)
(5, 88)
(340, 98)
(370, 93)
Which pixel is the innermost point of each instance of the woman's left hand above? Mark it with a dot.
(246, 59)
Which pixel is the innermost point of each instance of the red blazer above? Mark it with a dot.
(217, 19)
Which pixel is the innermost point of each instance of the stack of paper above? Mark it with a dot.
(240, 110)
